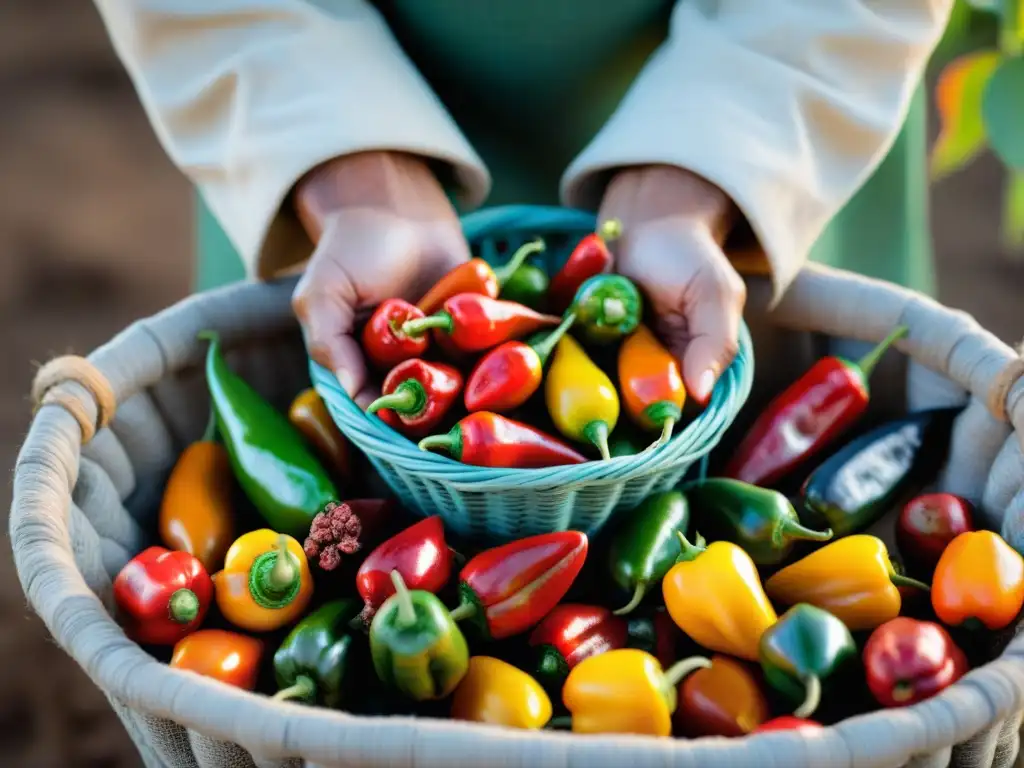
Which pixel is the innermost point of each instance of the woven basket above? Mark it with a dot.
(504, 504)
(84, 500)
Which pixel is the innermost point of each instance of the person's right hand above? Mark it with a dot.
(383, 228)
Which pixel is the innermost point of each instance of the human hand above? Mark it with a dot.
(383, 228)
(673, 226)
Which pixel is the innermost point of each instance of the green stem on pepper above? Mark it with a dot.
(597, 432)
(183, 607)
(811, 700)
(408, 399)
(304, 689)
(899, 580)
(463, 611)
(634, 601)
(406, 611)
(689, 551)
(420, 325)
(870, 360)
(505, 271)
(547, 345)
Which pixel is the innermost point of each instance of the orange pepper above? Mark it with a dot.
(196, 514)
(721, 700)
(310, 416)
(226, 656)
(260, 589)
(979, 578)
(651, 383)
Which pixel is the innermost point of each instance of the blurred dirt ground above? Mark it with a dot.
(95, 231)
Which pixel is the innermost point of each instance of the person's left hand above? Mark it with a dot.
(673, 226)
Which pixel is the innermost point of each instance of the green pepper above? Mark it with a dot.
(416, 646)
(645, 545)
(269, 457)
(855, 487)
(528, 286)
(607, 307)
(805, 648)
(316, 663)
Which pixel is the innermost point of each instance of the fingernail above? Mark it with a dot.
(346, 381)
(705, 384)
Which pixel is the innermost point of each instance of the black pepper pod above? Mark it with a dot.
(857, 485)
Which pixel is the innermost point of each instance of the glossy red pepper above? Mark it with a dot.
(419, 553)
(806, 417)
(416, 396)
(590, 257)
(486, 439)
(570, 634)
(162, 596)
(384, 342)
(510, 588)
(787, 723)
(475, 322)
(907, 661)
(510, 374)
(927, 524)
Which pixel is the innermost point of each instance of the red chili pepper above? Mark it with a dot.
(926, 526)
(384, 342)
(570, 634)
(162, 596)
(907, 661)
(476, 276)
(476, 322)
(816, 408)
(419, 553)
(416, 396)
(510, 588)
(590, 257)
(486, 439)
(787, 723)
(509, 375)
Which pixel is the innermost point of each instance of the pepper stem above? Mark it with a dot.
(689, 551)
(610, 229)
(409, 399)
(899, 580)
(304, 688)
(812, 698)
(462, 611)
(867, 363)
(451, 443)
(282, 575)
(274, 580)
(506, 270)
(420, 325)
(681, 669)
(546, 346)
(792, 529)
(406, 612)
(210, 433)
(638, 596)
(597, 433)
(183, 607)
(613, 310)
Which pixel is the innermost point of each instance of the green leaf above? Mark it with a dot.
(1013, 212)
(1002, 109)
(958, 97)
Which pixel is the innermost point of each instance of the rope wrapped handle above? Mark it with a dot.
(50, 387)
(1003, 383)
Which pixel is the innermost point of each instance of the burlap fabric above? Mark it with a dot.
(87, 485)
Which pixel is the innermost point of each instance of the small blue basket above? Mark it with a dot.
(497, 505)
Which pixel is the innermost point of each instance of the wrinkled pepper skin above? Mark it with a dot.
(485, 439)
(162, 596)
(907, 661)
(625, 691)
(804, 651)
(509, 589)
(926, 526)
(651, 383)
(645, 545)
(856, 486)
(416, 396)
(799, 423)
(788, 723)
(385, 343)
(528, 286)
(309, 415)
(265, 583)
(340, 531)
(761, 521)
(607, 308)
(416, 647)
(232, 658)
(496, 693)
(851, 578)
(316, 663)
(724, 699)
(979, 580)
(580, 398)
(715, 596)
(269, 457)
(196, 512)
(474, 323)
(571, 633)
(590, 257)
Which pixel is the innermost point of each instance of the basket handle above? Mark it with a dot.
(531, 219)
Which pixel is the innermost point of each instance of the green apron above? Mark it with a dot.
(531, 81)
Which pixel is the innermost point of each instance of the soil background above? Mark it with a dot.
(96, 231)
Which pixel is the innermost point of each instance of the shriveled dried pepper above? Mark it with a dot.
(417, 396)
(347, 528)
(590, 257)
(309, 415)
(581, 399)
(385, 342)
(979, 580)
(607, 308)
(651, 383)
(475, 322)
(486, 439)
(724, 699)
(495, 692)
(229, 657)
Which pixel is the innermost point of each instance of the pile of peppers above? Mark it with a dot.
(760, 598)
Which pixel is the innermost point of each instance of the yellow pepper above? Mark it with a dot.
(265, 583)
(497, 693)
(715, 596)
(625, 691)
(852, 578)
(581, 399)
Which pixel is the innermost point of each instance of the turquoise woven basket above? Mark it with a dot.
(498, 505)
